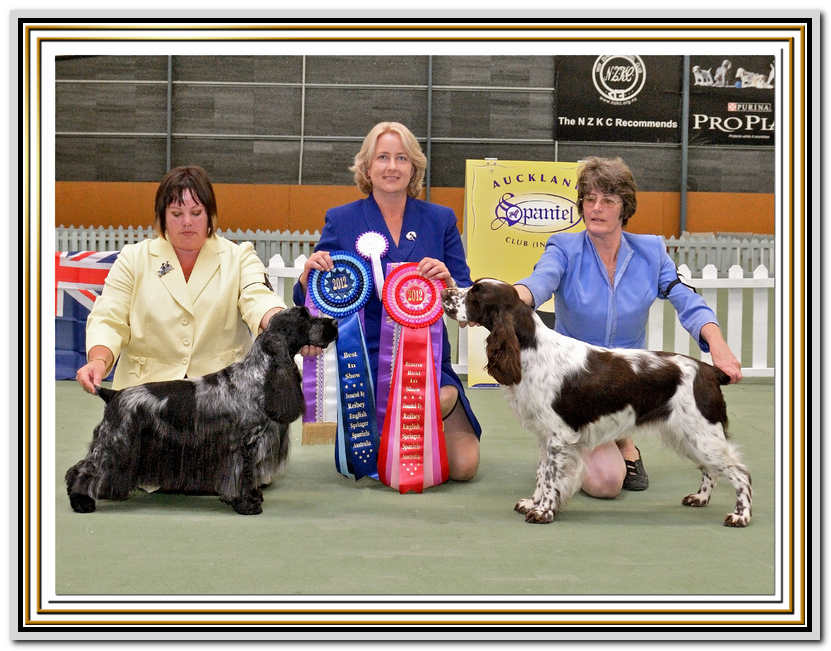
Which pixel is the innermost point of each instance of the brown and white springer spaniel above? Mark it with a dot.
(575, 396)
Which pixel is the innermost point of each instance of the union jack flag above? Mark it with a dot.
(79, 280)
(81, 275)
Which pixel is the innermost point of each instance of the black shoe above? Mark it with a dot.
(636, 478)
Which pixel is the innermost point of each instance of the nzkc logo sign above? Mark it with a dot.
(618, 78)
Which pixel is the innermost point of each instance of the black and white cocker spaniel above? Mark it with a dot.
(575, 396)
(225, 433)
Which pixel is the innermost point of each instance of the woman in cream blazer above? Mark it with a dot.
(183, 304)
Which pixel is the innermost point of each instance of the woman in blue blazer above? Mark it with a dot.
(390, 168)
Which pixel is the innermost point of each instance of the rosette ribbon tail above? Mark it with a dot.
(377, 274)
(319, 391)
(402, 437)
(341, 293)
(412, 453)
(356, 446)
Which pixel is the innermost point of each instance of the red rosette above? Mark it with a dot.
(411, 299)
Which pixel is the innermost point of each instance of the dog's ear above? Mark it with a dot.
(282, 393)
(503, 351)
(105, 394)
(273, 340)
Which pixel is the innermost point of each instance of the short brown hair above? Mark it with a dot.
(173, 185)
(610, 176)
(364, 157)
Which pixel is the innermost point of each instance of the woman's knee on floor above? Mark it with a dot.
(448, 396)
(460, 440)
(605, 471)
(462, 455)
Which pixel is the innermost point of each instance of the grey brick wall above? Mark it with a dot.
(251, 119)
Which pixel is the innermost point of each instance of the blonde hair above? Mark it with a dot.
(363, 159)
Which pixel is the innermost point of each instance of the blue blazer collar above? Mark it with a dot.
(375, 221)
(624, 256)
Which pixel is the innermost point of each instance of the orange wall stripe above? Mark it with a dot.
(302, 207)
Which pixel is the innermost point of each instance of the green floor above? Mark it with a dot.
(323, 534)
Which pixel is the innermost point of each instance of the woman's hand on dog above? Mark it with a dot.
(89, 376)
(306, 351)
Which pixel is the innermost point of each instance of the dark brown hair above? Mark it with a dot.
(173, 185)
(609, 176)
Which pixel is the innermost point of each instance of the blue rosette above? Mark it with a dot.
(345, 289)
(341, 293)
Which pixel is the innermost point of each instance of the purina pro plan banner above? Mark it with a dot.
(731, 100)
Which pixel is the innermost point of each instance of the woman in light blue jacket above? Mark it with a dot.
(604, 282)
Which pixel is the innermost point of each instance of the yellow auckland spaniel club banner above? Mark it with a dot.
(511, 209)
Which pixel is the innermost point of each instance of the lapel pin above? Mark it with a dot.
(165, 268)
(411, 235)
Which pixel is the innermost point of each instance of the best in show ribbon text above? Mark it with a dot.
(342, 293)
(412, 453)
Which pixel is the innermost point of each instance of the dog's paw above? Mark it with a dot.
(537, 515)
(524, 505)
(247, 507)
(81, 503)
(736, 520)
(695, 499)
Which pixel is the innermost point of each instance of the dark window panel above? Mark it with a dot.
(522, 71)
(119, 107)
(711, 169)
(731, 170)
(269, 69)
(656, 169)
(401, 70)
(345, 112)
(109, 159)
(448, 159)
(328, 163)
(240, 161)
(493, 114)
(236, 110)
(139, 68)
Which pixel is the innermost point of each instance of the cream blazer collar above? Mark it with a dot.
(185, 292)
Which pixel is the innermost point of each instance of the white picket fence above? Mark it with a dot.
(692, 249)
(760, 284)
(288, 244)
(708, 284)
(696, 251)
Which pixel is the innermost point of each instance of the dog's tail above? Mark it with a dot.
(105, 394)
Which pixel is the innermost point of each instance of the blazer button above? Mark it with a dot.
(186, 342)
(185, 322)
